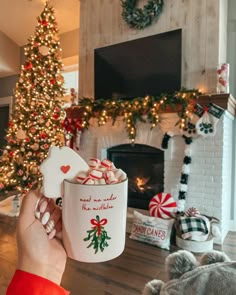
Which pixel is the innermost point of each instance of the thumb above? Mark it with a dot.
(29, 203)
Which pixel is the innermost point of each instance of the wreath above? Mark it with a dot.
(139, 18)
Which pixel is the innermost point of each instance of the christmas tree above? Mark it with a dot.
(35, 123)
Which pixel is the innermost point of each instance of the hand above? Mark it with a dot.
(38, 252)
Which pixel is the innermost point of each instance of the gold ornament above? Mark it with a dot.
(35, 146)
(20, 134)
(44, 50)
(34, 169)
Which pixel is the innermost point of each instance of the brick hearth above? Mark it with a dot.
(209, 186)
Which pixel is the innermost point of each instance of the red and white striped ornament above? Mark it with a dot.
(163, 206)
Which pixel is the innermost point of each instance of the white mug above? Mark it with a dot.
(94, 220)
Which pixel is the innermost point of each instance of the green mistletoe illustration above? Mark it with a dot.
(97, 235)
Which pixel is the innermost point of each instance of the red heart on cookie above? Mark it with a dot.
(65, 169)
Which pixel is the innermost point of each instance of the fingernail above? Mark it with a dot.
(50, 226)
(52, 234)
(45, 218)
(43, 206)
(37, 214)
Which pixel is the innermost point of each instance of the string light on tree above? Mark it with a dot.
(36, 119)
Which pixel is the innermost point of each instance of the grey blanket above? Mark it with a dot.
(213, 279)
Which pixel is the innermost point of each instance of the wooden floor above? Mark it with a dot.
(125, 275)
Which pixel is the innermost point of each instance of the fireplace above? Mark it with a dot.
(144, 166)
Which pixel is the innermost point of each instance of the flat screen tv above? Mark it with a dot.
(145, 66)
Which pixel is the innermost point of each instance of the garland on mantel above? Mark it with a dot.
(145, 109)
(141, 18)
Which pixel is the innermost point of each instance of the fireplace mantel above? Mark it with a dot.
(225, 101)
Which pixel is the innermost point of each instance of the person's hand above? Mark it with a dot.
(39, 250)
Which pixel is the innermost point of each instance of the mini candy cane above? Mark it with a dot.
(192, 212)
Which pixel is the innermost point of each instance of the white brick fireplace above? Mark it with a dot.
(210, 180)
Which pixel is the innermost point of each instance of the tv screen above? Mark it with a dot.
(145, 66)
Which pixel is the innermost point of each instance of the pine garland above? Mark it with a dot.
(144, 109)
(138, 18)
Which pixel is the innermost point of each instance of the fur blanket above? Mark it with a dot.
(213, 279)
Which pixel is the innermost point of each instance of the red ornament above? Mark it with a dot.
(11, 154)
(52, 81)
(43, 135)
(55, 116)
(28, 65)
(44, 23)
(10, 124)
(33, 130)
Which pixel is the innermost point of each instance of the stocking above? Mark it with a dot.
(190, 127)
(206, 125)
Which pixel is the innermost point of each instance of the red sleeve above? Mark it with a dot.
(30, 284)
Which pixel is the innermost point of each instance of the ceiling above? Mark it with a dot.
(18, 18)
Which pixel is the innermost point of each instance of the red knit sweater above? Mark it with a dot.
(24, 283)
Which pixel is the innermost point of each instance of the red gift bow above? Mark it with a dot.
(98, 224)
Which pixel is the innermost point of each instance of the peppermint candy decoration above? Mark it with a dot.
(163, 206)
(192, 212)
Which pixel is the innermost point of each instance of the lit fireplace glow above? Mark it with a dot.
(141, 183)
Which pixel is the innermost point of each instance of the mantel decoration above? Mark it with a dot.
(144, 109)
(139, 18)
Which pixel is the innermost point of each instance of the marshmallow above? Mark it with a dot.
(96, 174)
(106, 163)
(81, 176)
(104, 173)
(100, 181)
(94, 163)
(120, 174)
(88, 180)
